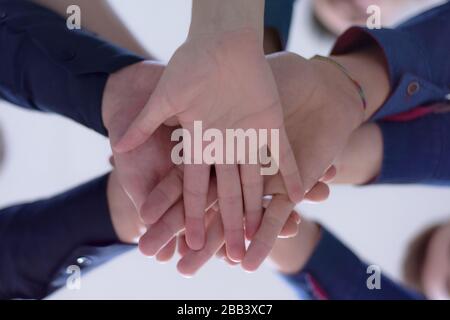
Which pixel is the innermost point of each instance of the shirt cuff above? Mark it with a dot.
(408, 67)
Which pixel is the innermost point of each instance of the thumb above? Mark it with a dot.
(156, 111)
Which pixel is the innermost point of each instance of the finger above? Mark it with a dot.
(195, 191)
(274, 185)
(231, 207)
(290, 229)
(318, 193)
(228, 260)
(156, 111)
(221, 253)
(192, 261)
(252, 190)
(329, 175)
(168, 251)
(288, 167)
(163, 231)
(273, 221)
(183, 248)
(166, 193)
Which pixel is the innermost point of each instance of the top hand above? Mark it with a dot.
(226, 83)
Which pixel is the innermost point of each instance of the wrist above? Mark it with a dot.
(214, 17)
(368, 67)
(338, 84)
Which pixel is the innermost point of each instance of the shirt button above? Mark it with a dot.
(413, 88)
(68, 55)
(84, 261)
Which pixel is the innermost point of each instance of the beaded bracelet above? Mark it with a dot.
(360, 89)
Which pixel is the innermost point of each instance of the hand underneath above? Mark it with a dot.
(124, 216)
(322, 108)
(126, 93)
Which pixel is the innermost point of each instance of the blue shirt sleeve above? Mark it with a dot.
(416, 151)
(278, 15)
(416, 53)
(47, 67)
(341, 275)
(39, 240)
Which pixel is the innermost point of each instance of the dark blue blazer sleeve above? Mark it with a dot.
(47, 67)
(335, 272)
(39, 240)
(416, 151)
(278, 15)
(417, 52)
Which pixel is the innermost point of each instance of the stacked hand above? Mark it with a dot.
(226, 83)
(318, 126)
(140, 170)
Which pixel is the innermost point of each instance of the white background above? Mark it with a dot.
(47, 154)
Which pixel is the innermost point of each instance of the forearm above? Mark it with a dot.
(39, 240)
(218, 16)
(416, 151)
(333, 271)
(391, 152)
(415, 59)
(47, 67)
(98, 16)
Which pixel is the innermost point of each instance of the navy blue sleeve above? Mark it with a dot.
(47, 67)
(39, 240)
(417, 55)
(416, 151)
(278, 15)
(335, 272)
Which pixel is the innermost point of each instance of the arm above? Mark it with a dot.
(216, 17)
(398, 152)
(322, 267)
(68, 78)
(414, 59)
(39, 240)
(387, 152)
(98, 16)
